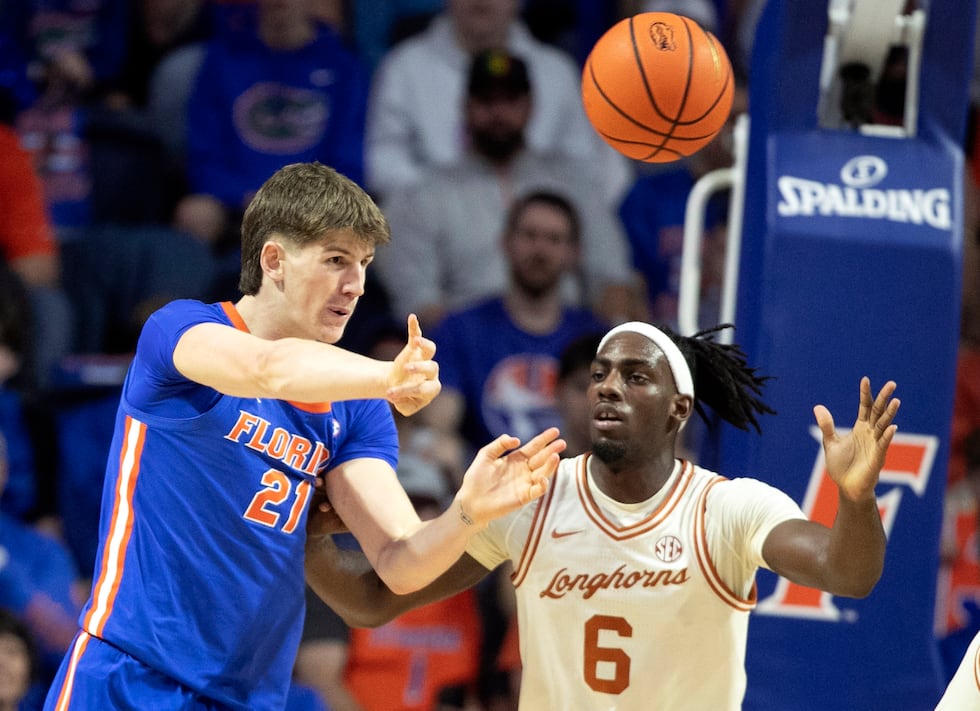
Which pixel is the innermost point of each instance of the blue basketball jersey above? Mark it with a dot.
(199, 572)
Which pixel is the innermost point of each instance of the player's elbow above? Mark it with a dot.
(858, 586)
(366, 619)
(376, 608)
(402, 587)
(868, 585)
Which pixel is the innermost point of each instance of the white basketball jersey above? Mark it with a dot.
(963, 692)
(625, 616)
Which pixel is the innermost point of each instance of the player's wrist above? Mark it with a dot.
(464, 513)
(465, 517)
(386, 373)
(857, 500)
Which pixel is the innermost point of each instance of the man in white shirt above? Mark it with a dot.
(415, 115)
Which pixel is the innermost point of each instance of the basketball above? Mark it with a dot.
(657, 87)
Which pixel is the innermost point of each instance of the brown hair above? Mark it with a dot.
(300, 203)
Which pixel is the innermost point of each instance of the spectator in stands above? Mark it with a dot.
(29, 249)
(424, 660)
(18, 665)
(156, 28)
(415, 116)
(40, 583)
(498, 359)
(17, 454)
(448, 223)
(288, 92)
(74, 47)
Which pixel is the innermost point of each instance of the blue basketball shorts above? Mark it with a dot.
(96, 675)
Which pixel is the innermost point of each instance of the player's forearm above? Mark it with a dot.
(409, 563)
(307, 371)
(346, 581)
(856, 549)
(285, 369)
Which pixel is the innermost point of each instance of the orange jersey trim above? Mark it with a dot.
(656, 517)
(707, 566)
(120, 529)
(976, 668)
(534, 535)
(236, 318)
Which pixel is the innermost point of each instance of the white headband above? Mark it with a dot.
(675, 359)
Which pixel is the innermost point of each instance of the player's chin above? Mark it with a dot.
(333, 331)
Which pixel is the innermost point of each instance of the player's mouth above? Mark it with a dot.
(339, 312)
(605, 417)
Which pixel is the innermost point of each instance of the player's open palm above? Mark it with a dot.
(414, 378)
(503, 477)
(854, 460)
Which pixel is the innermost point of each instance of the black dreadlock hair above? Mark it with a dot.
(722, 378)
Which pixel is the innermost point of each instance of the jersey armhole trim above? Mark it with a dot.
(707, 566)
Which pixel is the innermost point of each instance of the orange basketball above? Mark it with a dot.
(657, 86)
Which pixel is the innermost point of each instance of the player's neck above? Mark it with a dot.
(630, 482)
(260, 317)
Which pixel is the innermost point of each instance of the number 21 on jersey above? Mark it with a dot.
(276, 498)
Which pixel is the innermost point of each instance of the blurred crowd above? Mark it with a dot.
(134, 132)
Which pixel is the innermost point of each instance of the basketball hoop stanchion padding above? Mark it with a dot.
(850, 266)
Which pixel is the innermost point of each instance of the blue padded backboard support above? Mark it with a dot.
(850, 266)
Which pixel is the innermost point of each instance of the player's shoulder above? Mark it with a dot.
(181, 305)
(744, 488)
(183, 310)
(702, 472)
(168, 323)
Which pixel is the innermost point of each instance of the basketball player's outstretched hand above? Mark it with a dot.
(414, 378)
(504, 476)
(855, 459)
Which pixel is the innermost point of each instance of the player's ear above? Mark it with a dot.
(271, 258)
(681, 407)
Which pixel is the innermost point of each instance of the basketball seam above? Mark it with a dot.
(638, 124)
